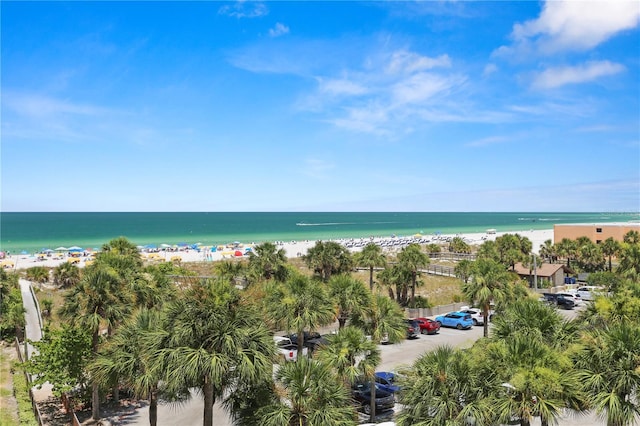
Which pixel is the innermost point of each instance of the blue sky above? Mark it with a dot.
(320, 106)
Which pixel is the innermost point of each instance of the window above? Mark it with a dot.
(599, 230)
(598, 241)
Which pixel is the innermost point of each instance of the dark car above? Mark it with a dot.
(312, 340)
(386, 380)
(413, 329)
(558, 300)
(428, 326)
(361, 393)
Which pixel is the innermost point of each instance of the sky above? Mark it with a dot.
(320, 106)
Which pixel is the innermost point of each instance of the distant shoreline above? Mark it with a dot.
(33, 232)
(292, 248)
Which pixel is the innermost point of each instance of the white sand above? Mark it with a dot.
(292, 248)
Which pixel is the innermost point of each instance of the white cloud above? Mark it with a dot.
(278, 30)
(244, 9)
(573, 26)
(560, 76)
(421, 87)
(409, 62)
(491, 140)
(341, 87)
(489, 69)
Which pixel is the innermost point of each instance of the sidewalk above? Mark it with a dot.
(49, 406)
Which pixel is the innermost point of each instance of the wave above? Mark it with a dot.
(324, 224)
(341, 223)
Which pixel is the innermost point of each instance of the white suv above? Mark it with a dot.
(589, 292)
(577, 300)
(476, 314)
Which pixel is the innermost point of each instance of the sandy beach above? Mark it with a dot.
(292, 249)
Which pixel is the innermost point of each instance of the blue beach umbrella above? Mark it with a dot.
(24, 252)
(150, 246)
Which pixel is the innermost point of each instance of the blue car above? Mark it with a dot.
(385, 380)
(459, 320)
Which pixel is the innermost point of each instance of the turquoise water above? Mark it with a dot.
(35, 231)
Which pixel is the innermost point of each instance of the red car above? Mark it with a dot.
(428, 326)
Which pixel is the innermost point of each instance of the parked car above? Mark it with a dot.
(477, 316)
(589, 292)
(428, 326)
(312, 340)
(413, 329)
(361, 394)
(287, 349)
(577, 300)
(459, 320)
(386, 381)
(558, 300)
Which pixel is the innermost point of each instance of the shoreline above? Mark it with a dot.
(292, 248)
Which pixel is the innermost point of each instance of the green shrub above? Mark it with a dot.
(21, 392)
(420, 302)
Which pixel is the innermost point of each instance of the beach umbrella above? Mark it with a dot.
(62, 249)
(75, 248)
(238, 253)
(24, 252)
(165, 245)
(150, 246)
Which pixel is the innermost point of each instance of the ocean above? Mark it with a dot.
(32, 232)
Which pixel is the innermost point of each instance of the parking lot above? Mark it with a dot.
(393, 357)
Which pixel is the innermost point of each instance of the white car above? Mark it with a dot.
(476, 314)
(589, 292)
(577, 300)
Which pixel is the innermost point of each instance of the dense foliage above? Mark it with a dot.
(156, 334)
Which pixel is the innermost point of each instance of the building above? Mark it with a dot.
(548, 274)
(596, 232)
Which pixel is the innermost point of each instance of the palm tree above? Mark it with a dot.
(397, 277)
(353, 357)
(529, 317)
(459, 245)
(489, 284)
(327, 258)
(412, 258)
(129, 357)
(267, 261)
(590, 257)
(299, 304)
(310, 394)
(610, 248)
(349, 294)
(464, 270)
(511, 249)
(123, 247)
(100, 299)
(66, 275)
(548, 251)
(629, 260)
(631, 237)
(567, 248)
(350, 354)
(213, 341)
(444, 388)
(537, 380)
(38, 274)
(383, 319)
(488, 250)
(370, 257)
(609, 370)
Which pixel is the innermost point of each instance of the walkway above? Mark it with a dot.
(47, 403)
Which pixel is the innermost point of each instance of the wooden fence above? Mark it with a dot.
(27, 376)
